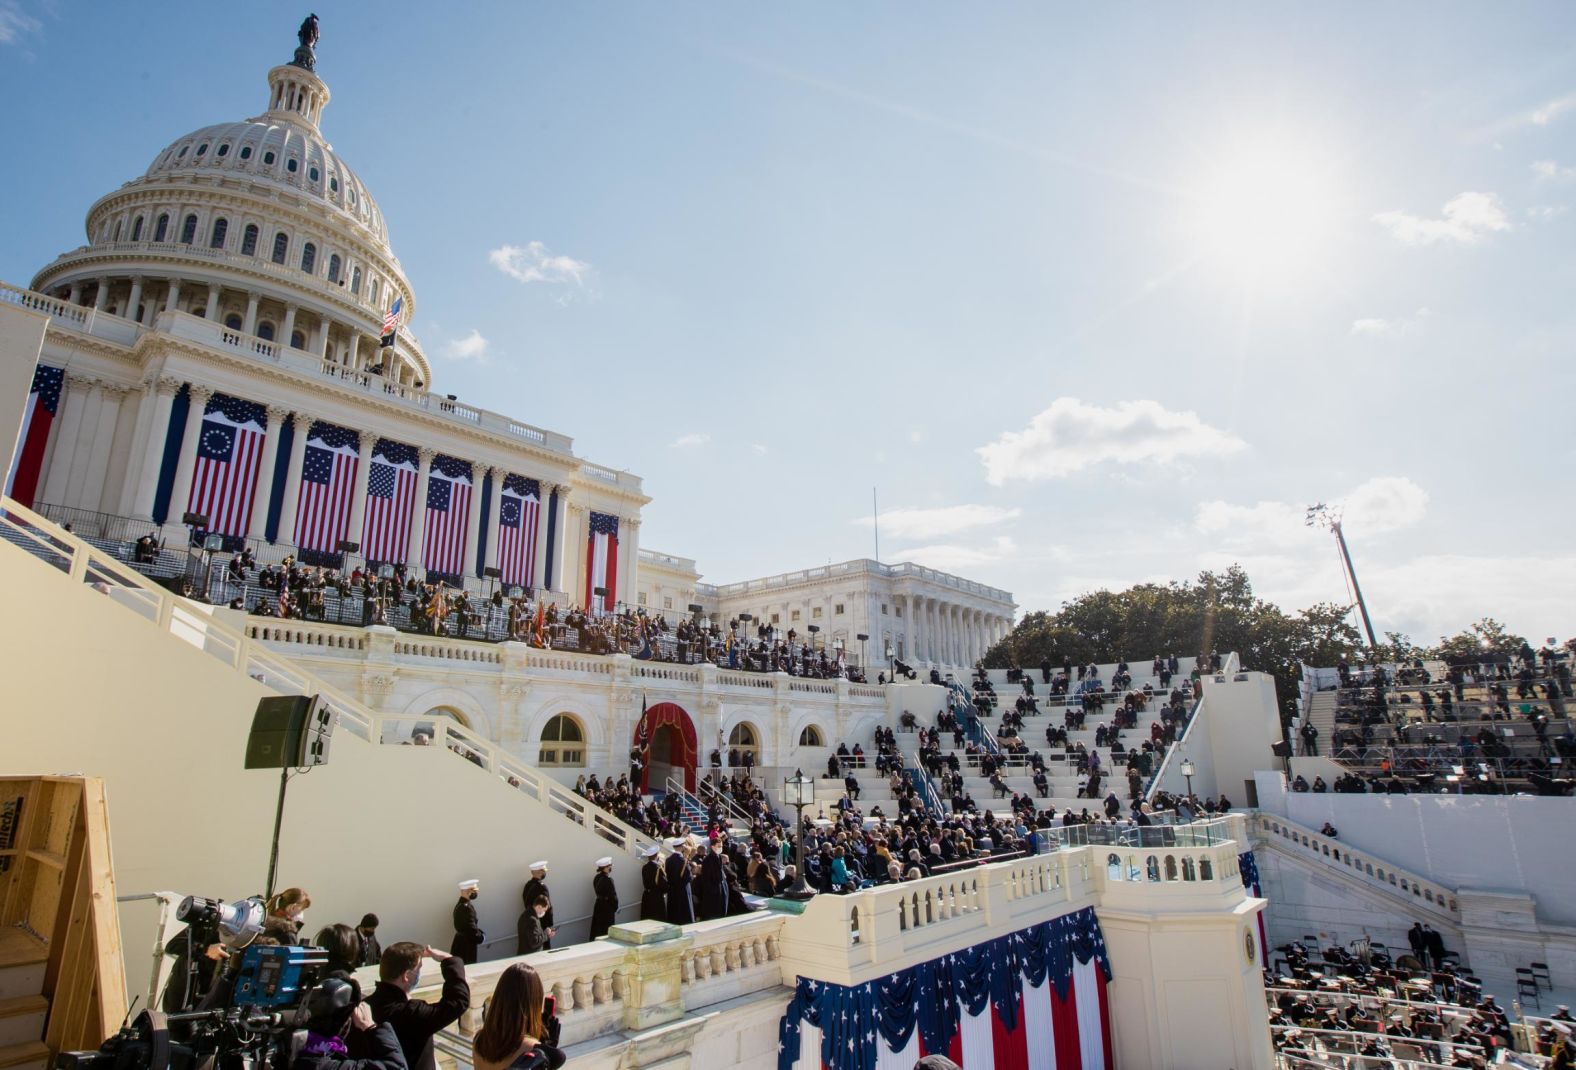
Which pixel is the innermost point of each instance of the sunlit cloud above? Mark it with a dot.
(532, 262)
(1468, 218)
(1071, 436)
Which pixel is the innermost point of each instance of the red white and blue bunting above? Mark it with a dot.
(1030, 1000)
(1250, 882)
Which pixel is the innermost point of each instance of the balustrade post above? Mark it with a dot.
(652, 971)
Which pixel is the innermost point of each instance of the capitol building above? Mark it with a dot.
(226, 366)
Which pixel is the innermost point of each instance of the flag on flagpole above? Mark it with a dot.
(391, 323)
(43, 401)
(229, 450)
(328, 482)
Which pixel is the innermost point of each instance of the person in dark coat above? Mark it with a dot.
(713, 884)
(531, 932)
(371, 950)
(1419, 942)
(653, 900)
(605, 912)
(337, 1018)
(468, 934)
(414, 1021)
(1435, 945)
(677, 870)
(534, 887)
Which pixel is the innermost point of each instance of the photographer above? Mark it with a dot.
(415, 1021)
(285, 913)
(337, 1012)
(521, 1029)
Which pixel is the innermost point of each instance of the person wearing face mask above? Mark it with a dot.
(605, 912)
(537, 886)
(468, 934)
(285, 913)
(337, 1019)
(713, 884)
(532, 932)
(415, 1021)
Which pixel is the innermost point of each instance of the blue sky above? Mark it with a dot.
(1093, 294)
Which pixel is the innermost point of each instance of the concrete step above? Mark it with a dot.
(22, 1019)
(31, 1055)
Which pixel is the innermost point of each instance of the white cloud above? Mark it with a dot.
(1547, 113)
(1553, 172)
(1545, 212)
(934, 523)
(1379, 505)
(952, 557)
(690, 440)
(15, 23)
(1376, 327)
(1468, 219)
(1386, 503)
(534, 263)
(1071, 436)
(915, 436)
(758, 448)
(472, 347)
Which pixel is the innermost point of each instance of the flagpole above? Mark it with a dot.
(875, 520)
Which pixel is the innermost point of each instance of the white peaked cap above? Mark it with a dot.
(605, 860)
(538, 865)
(466, 886)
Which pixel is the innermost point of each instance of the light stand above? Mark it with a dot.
(861, 637)
(1187, 769)
(799, 792)
(1321, 515)
(891, 656)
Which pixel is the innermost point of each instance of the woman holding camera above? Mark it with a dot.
(521, 1030)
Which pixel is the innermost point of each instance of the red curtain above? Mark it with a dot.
(687, 751)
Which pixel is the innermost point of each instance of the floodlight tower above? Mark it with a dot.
(1325, 516)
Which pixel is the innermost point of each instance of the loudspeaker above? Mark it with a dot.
(319, 731)
(1281, 749)
(492, 572)
(348, 547)
(278, 728)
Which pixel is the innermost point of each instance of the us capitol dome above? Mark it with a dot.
(256, 224)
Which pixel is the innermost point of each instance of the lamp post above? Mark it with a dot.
(862, 637)
(812, 629)
(891, 656)
(799, 792)
(1188, 769)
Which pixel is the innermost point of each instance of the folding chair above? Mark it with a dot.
(1540, 971)
(1527, 986)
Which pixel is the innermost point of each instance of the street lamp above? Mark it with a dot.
(862, 637)
(799, 792)
(891, 656)
(1188, 769)
(812, 629)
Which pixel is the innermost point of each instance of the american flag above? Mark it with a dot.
(602, 561)
(391, 491)
(518, 509)
(448, 510)
(228, 451)
(391, 321)
(43, 401)
(328, 481)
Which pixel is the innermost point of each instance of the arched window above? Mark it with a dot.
(1152, 869)
(246, 152)
(811, 737)
(1188, 872)
(297, 340)
(265, 331)
(224, 149)
(291, 165)
(221, 230)
(1113, 867)
(1171, 867)
(249, 240)
(1206, 869)
(116, 236)
(203, 148)
(189, 230)
(743, 737)
(233, 321)
(268, 159)
(333, 267)
(355, 280)
(281, 247)
(136, 229)
(313, 175)
(161, 229)
(309, 258)
(563, 742)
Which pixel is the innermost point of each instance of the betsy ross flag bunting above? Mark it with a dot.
(229, 447)
(391, 322)
(448, 509)
(328, 481)
(601, 562)
(391, 490)
(518, 508)
(43, 401)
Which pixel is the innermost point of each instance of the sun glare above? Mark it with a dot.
(1265, 211)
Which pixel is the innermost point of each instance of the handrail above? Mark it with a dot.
(726, 803)
(1426, 894)
(1176, 747)
(84, 563)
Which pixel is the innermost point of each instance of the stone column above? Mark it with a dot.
(629, 561)
(473, 523)
(355, 358)
(186, 463)
(538, 576)
(59, 473)
(101, 297)
(212, 312)
(249, 325)
(358, 500)
(121, 501)
(172, 297)
(499, 475)
(418, 523)
(559, 580)
(92, 496)
(322, 342)
(265, 472)
(75, 294)
(287, 507)
(82, 452)
(135, 299)
(152, 455)
(289, 329)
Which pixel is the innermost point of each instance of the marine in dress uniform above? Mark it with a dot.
(534, 887)
(468, 934)
(677, 871)
(605, 912)
(653, 899)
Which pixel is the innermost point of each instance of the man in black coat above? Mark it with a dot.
(415, 1021)
(468, 935)
(605, 912)
(653, 901)
(531, 933)
(1435, 944)
(713, 884)
(677, 870)
(534, 887)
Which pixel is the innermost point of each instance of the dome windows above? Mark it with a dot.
(334, 267)
(249, 240)
(297, 340)
(136, 229)
(246, 152)
(221, 230)
(189, 230)
(313, 175)
(161, 229)
(268, 159)
(265, 331)
(116, 236)
(281, 247)
(182, 154)
(233, 321)
(202, 150)
(309, 258)
(223, 150)
(355, 281)
(291, 165)
(333, 185)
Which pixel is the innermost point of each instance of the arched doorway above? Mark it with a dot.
(666, 737)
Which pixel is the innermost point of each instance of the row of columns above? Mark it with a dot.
(949, 633)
